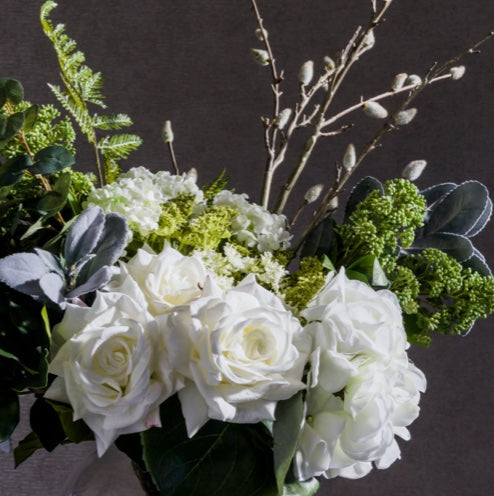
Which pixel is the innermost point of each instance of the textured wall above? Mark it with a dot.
(188, 61)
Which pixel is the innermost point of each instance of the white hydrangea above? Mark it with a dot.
(139, 193)
(254, 226)
(363, 390)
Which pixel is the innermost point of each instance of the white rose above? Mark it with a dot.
(363, 389)
(241, 351)
(166, 279)
(107, 367)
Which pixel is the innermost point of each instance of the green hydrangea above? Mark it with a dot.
(44, 132)
(383, 223)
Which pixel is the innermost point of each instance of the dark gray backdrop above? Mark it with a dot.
(188, 61)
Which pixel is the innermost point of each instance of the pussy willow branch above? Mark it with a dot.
(354, 49)
(435, 73)
(271, 131)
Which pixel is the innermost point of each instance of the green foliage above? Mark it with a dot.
(82, 87)
(383, 223)
(221, 459)
(437, 293)
(214, 187)
(300, 286)
(45, 130)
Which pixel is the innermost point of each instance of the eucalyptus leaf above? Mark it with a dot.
(30, 116)
(52, 159)
(12, 90)
(10, 126)
(360, 192)
(83, 235)
(321, 240)
(459, 210)
(9, 413)
(110, 246)
(286, 431)
(13, 169)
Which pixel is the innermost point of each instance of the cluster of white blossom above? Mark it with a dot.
(362, 390)
(139, 193)
(254, 226)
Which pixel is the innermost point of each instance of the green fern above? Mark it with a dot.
(83, 86)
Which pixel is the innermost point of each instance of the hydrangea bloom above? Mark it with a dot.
(363, 389)
(138, 195)
(254, 226)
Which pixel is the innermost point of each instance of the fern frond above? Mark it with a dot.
(119, 145)
(212, 188)
(112, 121)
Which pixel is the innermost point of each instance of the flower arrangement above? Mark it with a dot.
(187, 323)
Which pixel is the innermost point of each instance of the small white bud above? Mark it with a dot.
(375, 110)
(306, 73)
(333, 204)
(167, 132)
(329, 63)
(405, 116)
(369, 40)
(457, 72)
(414, 80)
(282, 118)
(399, 81)
(260, 57)
(350, 157)
(259, 34)
(413, 170)
(313, 193)
(192, 174)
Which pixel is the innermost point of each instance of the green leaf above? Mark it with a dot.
(455, 245)
(52, 159)
(322, 240)
(13, 169)
(53, 201)
(221, 459)
(75, 430)
(46, 424)
(10, 126)
(360, 193)
(459, 210)
(113, 121)
(286, 430)
(9, 413)
(26, 448)
(30, 116)
(11, 90)
(306, 488)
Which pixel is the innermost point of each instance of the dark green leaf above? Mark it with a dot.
(13, 169)
(360, 193)
(12, 90)
(77, 431)
(478, 264)
(52, 159)
(26, 448)
(458, 211)
(482, 221)
(286, 429)
(455, 245)
(53, 201)
(10, 126)
(221, 459)
(9, 413)
(46, 424)
(436, 192)
(321, 240)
